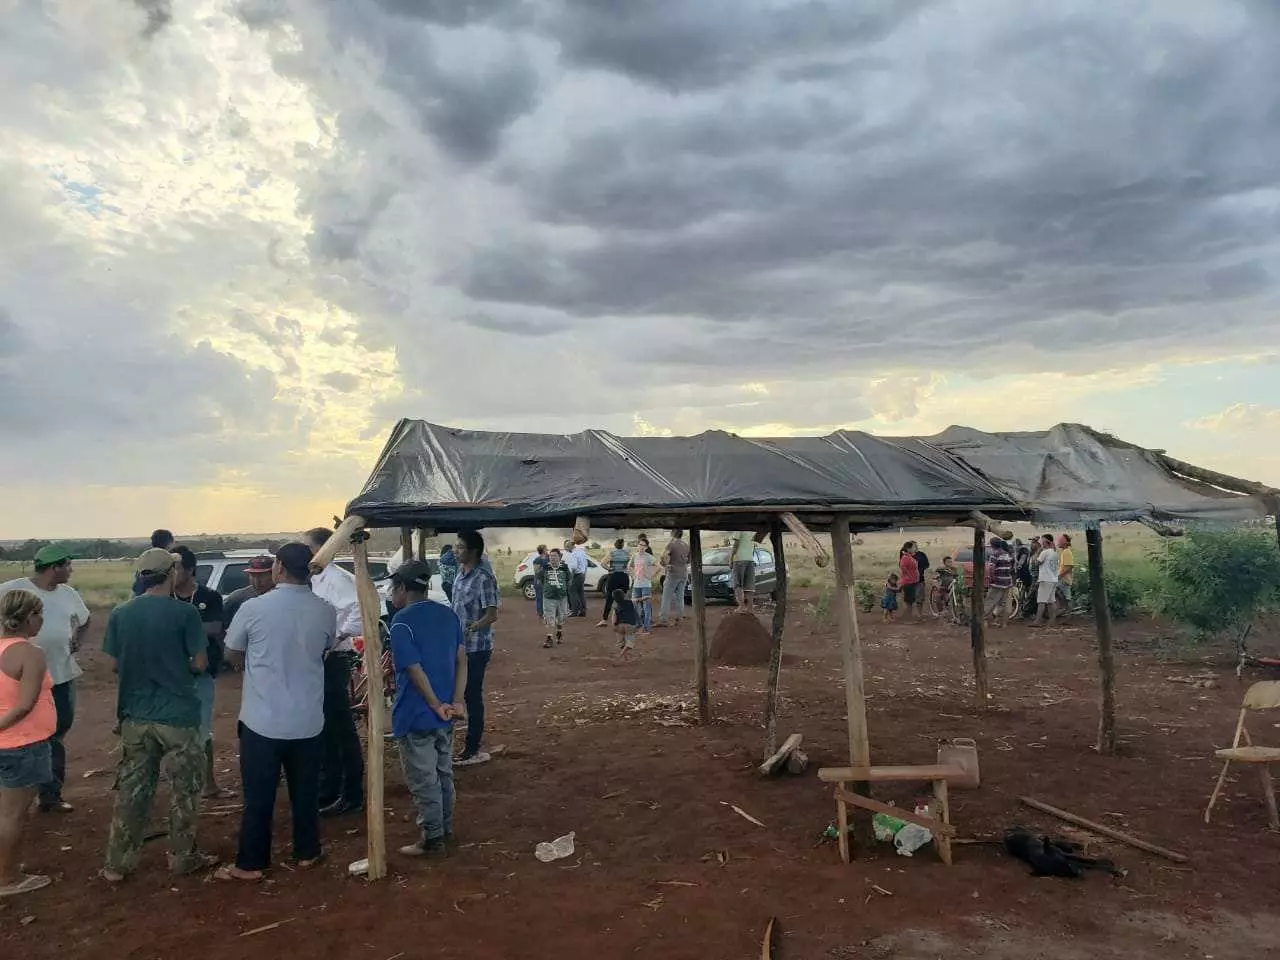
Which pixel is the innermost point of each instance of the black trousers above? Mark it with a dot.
(341, 761)
(261, 760)
(473, 697)
(617, 580)
(577, 595)
(64, 704)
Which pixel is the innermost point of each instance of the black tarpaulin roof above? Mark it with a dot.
(1071, 473)
(441, 477)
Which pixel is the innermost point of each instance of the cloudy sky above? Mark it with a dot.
(239, 238)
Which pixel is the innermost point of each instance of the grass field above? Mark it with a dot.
(1128, 551)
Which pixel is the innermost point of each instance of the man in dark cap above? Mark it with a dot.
(259, 573)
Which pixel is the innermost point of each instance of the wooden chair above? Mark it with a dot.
(938, 774)
(1260, 696)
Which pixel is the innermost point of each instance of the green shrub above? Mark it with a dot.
(819, 610)
(867, 596)
(1130, 587)
(1217, 583)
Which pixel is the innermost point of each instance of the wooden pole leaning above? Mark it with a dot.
(340, 540)
(699, 626)
(406, 544)
(370, 614)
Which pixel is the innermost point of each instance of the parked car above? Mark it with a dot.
(717, 575)
(963, 557)
(225, 571)
(523, 577)
(386, 566)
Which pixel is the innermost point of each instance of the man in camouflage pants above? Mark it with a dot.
(159, 647)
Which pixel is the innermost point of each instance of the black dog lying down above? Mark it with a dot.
(1053, 856)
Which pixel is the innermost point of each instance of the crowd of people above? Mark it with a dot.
(1045, 568)
(291, 632)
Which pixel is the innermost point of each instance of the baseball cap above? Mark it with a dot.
(52, 554)
(413, 575)
(154, 562)
(262, 564)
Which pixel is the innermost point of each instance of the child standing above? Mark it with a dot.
(555, 597)
(642, 566)
(889, 602)
(626, 620)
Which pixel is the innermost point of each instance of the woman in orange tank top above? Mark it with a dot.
(27, 721)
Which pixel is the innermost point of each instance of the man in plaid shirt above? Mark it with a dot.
(475, 601)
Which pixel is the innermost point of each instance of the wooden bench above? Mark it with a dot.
(938, 774)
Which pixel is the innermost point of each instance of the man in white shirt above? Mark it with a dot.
(342, 763)
(66, 619)
(1046, 562)
(576, 561)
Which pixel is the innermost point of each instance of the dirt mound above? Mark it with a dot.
(740, 640)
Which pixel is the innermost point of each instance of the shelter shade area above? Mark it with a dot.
(440, 479)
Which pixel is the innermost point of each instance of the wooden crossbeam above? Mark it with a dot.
(934, 826)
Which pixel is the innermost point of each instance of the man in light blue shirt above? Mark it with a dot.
(281, 639)
(576, 560)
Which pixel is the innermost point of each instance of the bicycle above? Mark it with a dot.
(360, 679)
(951, 600)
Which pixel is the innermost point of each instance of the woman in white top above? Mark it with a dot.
(643, 565)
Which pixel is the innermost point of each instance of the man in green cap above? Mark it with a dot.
(158, 646)
(66, 619)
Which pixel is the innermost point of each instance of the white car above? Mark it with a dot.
(523, 577)
(391, 564)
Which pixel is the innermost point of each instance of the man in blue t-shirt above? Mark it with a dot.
(431, 674)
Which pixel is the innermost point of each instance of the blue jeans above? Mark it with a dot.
(673, 596)
(643, 596)
(64, 702)
(427, 761)
(537, 597)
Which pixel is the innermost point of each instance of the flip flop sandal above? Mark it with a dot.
(28, 884)
(307, 864)
(225, 874)
(221, 794)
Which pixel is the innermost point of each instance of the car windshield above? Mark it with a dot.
(718, 558)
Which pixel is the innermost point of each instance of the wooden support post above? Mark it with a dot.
(423, 533)
(340, 540)
(977, 627)
(699, 626)
(806, 538)
(370, 610)
(846, 611)
(775, 646)
(1106, 659)
(581, 530)
(406, 544)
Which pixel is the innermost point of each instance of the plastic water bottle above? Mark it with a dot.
(557, 849)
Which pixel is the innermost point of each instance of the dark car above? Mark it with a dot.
(717, 575)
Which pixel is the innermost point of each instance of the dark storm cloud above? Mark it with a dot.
(811, 185)
(680, 46)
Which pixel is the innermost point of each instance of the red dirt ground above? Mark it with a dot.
(740, 640)
(665, 869)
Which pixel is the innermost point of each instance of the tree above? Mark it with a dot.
(1219, 582)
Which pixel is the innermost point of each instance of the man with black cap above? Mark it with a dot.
(66, 619)
(281, 639)
(158, 647)
(430, 655)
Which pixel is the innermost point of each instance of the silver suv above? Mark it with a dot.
(225, 571)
